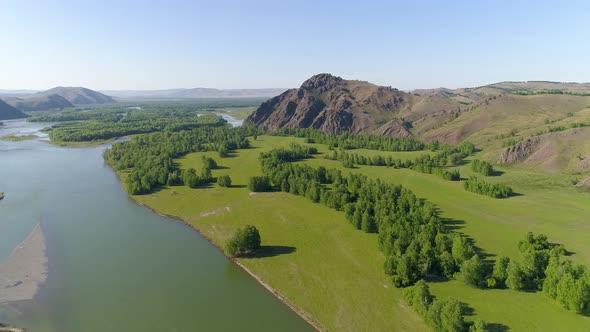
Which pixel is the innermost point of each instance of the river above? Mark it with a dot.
(115, 265)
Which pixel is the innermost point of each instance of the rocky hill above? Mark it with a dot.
(77, 95)
(39, 103)
(8, 112)
(542, 125)
(335, 105)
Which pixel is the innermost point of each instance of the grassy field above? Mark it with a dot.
(321, 264)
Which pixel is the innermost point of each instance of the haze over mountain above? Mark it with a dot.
(8, 112)
(38, 103)
(78, 95)
(194, 93)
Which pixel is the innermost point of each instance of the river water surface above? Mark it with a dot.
(114, 265)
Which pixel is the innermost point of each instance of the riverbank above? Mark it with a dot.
(330, 273)
(302, 313)
(25, 269)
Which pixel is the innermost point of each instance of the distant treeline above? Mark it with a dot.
(550, 92)
(347, 141)
(446, 155)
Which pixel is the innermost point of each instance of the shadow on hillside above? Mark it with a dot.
(497, 327)
(453, 224)
(238, 186)
(497, 173)
(466, 310)
(221, 167)
(271, 251)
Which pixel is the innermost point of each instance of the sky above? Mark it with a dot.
(137, 45)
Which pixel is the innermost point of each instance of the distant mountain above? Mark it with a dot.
(39, 103)
(194, 93)
(8, 112)
(335, 105)
(77, 95)
(469, 95)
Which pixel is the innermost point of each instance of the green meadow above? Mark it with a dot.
(333, 272)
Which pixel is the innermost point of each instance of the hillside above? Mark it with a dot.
(77, 95)
(470, 95)
(194, 93)
(8, 112)
(39, 103)
(335, 105)
(495, 117)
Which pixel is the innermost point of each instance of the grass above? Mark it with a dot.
(14, 138)
(334, 272)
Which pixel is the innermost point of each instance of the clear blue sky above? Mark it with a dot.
(254, 44)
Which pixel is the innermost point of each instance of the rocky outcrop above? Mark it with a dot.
(335, 105)
(584, 183)
(520, 151)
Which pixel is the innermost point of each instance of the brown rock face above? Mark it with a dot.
(335, 105)
(520, 151)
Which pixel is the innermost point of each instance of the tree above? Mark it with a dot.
(244, 241)
(259, 184)
(461, 250)
(515, 278)
(224, 181)
(500, 272)
(473, 271)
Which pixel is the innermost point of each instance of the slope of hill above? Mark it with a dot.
(194, 93)
(8, 112)
(335, 105)
(39, 103)
(77, 95)
(470, 95)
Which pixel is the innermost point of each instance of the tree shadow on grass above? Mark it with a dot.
(271, 251)
(497, 327)
(497, 173)
(466, 310)
(453, 224)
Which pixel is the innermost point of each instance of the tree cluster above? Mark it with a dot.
(495, 190)
(442, 315)
(482, 167)
(447, 155)
(542, 266)
(149, 158)
(411, 234)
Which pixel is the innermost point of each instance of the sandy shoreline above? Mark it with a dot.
(304, 315)
(25, 269)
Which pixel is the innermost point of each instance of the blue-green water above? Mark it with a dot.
(114, 265)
